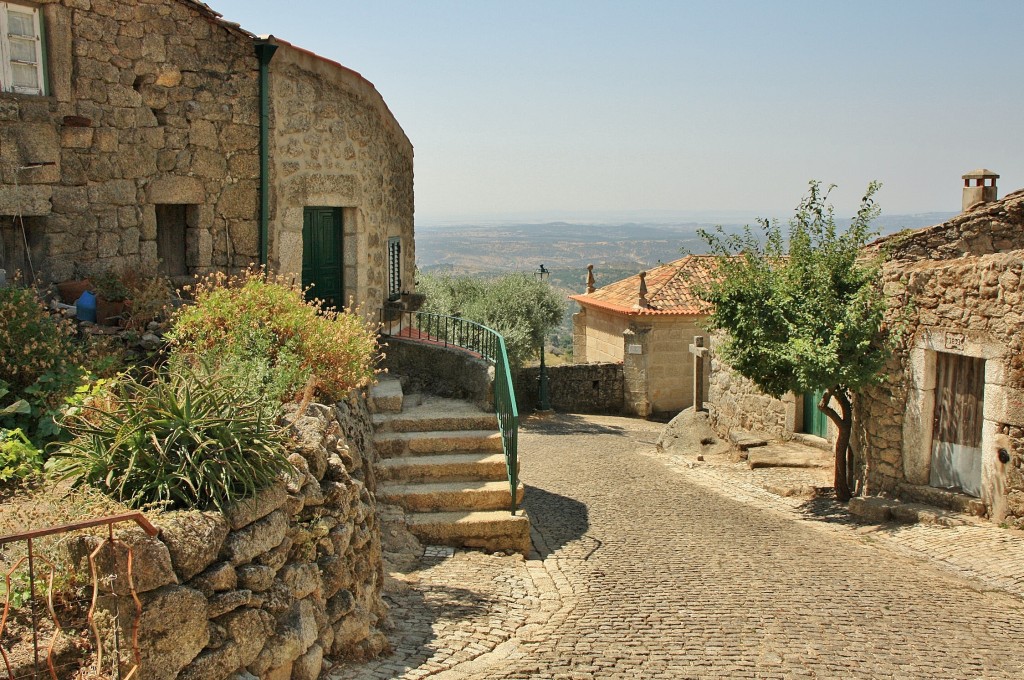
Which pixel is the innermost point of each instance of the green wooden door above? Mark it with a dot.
(322, 255)
(815, 422)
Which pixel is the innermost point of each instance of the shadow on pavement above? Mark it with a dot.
(558, 519)
(567, 423)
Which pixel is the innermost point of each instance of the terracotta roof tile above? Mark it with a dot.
(671, 289)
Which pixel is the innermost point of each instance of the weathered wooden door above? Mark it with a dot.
(815, 422)
(956, 428)
(322, 255)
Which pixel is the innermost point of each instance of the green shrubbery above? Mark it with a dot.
(519, 306)
(43, 370)
(202, 431)
(183, 436)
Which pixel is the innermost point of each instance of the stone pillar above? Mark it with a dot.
(700, 354)
(634, 368)
(579, 336)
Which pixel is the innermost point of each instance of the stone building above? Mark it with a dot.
(647, 322)
(947, 424)
(134, 132)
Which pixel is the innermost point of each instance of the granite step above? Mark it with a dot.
(492, 530)
(386, 396)
(435, 414)
(391, 444)
(449, 496)
(468, 467)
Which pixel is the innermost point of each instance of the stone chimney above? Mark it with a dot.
(983, 189)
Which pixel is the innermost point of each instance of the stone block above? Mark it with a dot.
(255, 577)
(243, 545)
(193, 539)
(239, 201)
(218, 578)
(76, 137)
(176, 190)
(113, 192)
(246, 512)
(25, 200)
(151, 561)
(173, 630)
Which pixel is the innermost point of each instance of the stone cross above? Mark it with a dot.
(699, 351)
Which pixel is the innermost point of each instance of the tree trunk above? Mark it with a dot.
(843, 421)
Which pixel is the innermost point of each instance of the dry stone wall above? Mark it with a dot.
(151, 102)
(277, 584)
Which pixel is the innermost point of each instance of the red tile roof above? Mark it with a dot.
(671, 289)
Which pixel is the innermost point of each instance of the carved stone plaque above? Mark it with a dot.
(955, 341)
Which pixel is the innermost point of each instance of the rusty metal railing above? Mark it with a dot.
(26, 653)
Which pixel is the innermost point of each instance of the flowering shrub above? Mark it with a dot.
(258, 315)
(41, 366)
(32, 342)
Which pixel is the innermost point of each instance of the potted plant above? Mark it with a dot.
(411, 302)
(72, 289)
(111, 297)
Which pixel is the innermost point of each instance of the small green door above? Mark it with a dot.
(815, 422)
(322, 255)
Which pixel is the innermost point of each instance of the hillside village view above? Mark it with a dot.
(304, 376)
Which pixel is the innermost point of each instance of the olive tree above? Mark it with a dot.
(804, 313)
(520, 307)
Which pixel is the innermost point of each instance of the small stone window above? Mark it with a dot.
(171, 226)
(394, 268)
(22, 65)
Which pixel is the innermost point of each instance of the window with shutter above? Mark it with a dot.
(394, 268)
(21, 49)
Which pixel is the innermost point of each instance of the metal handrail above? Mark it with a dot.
(41, 655)
(453, 331)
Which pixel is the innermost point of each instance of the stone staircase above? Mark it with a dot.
(442, 462)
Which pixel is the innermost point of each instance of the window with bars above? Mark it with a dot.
(394, 267)
(21, 49)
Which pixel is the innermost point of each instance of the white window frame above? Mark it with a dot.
(6, 60)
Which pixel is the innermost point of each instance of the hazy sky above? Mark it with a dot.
(534, 108)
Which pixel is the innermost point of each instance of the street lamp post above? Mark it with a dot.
(543, 396)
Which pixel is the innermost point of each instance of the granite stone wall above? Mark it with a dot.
(735, 403)
(953, 288)
(275, 585)
(574, 388)
(149, 104)
(336, 144)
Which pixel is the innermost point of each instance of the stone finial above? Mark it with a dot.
(590, 278)
(643, 303)
(982, 191)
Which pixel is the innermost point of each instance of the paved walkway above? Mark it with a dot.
(654, 566)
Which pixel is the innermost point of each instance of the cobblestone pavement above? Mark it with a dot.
(652, 566)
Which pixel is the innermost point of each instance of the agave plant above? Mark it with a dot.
(180, 436)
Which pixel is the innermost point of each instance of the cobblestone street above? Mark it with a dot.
(652, 567)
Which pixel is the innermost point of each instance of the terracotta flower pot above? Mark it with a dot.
(108, 313)
(70, 291)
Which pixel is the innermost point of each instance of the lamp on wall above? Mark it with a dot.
(543, 396)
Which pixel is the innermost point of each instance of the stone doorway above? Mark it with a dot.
(957, 421)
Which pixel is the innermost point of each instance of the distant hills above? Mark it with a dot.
(628, 247)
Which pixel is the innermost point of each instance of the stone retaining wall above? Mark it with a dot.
(276, 584)
(574, 388)
(442, 371)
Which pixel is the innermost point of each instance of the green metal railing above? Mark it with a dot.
(453, 331)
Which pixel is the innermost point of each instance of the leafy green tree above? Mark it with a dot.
(520, 307)
(806, 313)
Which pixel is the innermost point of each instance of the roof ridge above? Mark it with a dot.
(678, 266)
